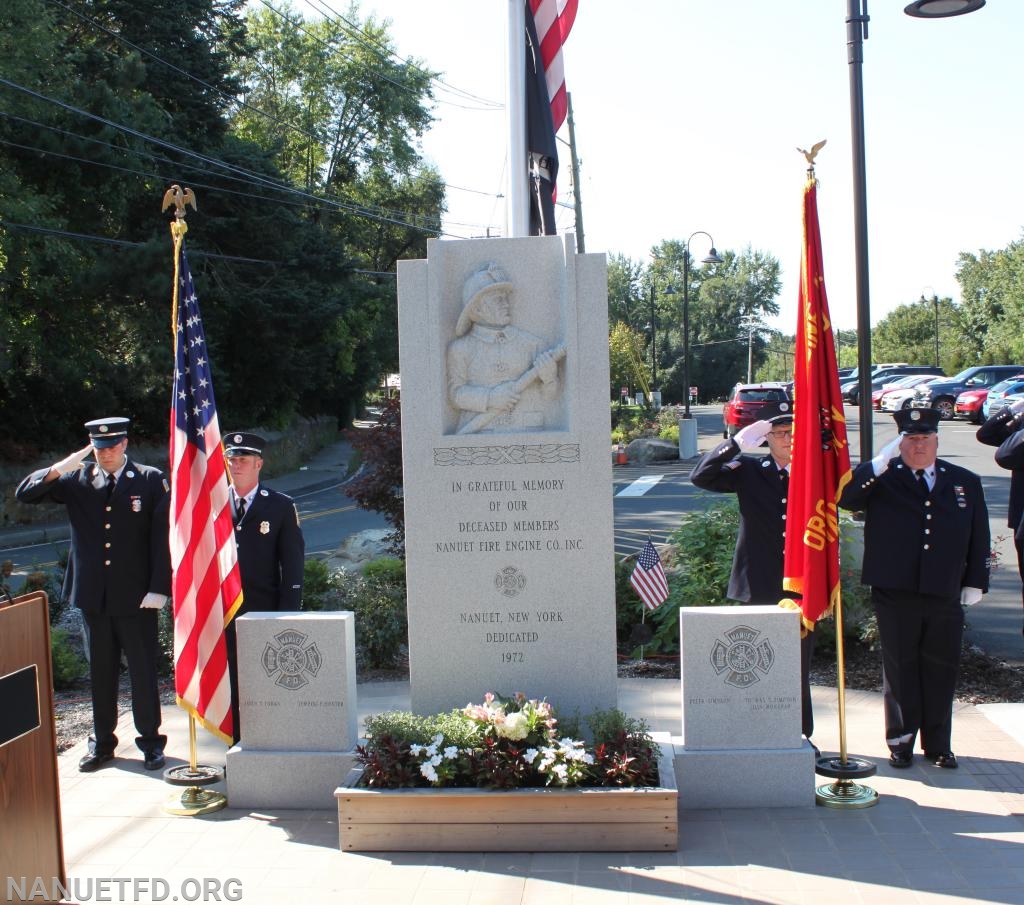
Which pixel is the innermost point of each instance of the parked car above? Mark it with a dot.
(1000, 390)
(942, 395)
(745, 403)
(894, 386)
(998, 405)
(886, 373)
(967, 404)
(892, 400)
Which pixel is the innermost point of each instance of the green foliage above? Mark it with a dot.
(68, 664)
(49, 581)
(387, 569)
(379, 605)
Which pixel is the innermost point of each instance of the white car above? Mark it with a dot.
(902, 397)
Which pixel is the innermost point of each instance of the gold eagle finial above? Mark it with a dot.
(179, 198)
(810, 155)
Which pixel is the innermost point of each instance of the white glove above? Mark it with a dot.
(970, 596)
(71, 462)
(153, 601)
(1017, 407)
(752, 436)
(881, 460)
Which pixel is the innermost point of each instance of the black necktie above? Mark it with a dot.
(240, 510)
(922, 480)
(111, 484)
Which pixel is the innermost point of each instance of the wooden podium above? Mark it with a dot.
(30, 829)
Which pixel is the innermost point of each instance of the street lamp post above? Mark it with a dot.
(712, 258)
(856, 34)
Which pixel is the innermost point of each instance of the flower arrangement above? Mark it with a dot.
(505, 743)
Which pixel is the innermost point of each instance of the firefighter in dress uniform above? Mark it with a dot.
(761, 485)
(120, 564)
(926, 552)
(1003, 429)
(271, 548)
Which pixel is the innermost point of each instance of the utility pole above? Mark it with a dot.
(581, 245)
(750, 321)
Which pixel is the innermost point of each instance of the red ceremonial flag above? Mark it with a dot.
(821, 456)
(207, 585)
(648, 578)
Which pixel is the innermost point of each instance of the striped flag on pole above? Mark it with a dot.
(207, 585)
(554, 19)
(547, 26)
(648, 578)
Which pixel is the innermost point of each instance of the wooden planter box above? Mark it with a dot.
(518, 820)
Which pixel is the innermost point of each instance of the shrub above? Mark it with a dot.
(379, 486)
(68, 664)
(380, 609)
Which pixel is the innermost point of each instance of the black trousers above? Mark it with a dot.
(921, 636)
(806, 656)
(136, 637)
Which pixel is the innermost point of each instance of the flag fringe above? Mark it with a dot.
(206, 724)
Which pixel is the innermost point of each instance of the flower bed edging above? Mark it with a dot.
(519, 820)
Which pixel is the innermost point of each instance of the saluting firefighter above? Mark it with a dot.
(761, 485)
(926, 552)
(120, 566)
(1004, 429)
(271, 549)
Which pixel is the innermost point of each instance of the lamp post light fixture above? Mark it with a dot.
(712, 258)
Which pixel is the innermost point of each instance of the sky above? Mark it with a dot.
(688, 115)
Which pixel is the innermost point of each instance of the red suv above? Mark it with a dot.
(746, 402)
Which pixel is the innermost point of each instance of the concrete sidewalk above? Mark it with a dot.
(936, 836)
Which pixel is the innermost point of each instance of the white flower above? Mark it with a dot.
(435, 761)
(451, 752)
(515, 726)
(530, 755)
(427, 769)
(415, 750)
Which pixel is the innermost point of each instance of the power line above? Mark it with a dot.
(254, 178)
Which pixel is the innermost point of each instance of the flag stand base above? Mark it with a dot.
(844, 792)
(202, 775)
(194, 802)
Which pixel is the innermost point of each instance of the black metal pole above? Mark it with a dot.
(654, 347)
(856, 34)
(935, 300)
(686, 330)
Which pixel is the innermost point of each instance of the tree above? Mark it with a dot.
(625, 347)
(992, 306)
(907, 333)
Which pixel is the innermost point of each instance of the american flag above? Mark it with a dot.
(547, 26)
(648, 578)
(207, 585)
(554, 20)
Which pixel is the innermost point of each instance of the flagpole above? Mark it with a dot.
(194, 800)
(517, 201)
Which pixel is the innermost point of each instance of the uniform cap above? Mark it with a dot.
(917, 421)
(244, 445)
(104, 432)
(778, 413)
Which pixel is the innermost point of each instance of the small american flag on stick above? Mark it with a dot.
(648, 578)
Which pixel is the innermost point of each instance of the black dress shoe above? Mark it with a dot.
(154, 760)
(92, 762)
(947, 760)
(901, 759)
